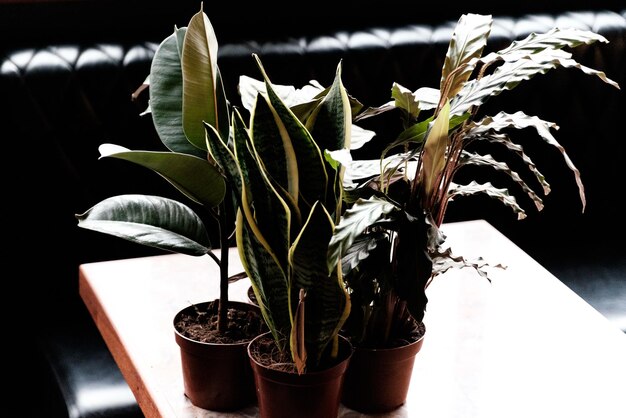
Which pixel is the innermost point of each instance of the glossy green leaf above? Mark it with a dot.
(149, 220)
(166, 95)
(195, 177)
(199, 69)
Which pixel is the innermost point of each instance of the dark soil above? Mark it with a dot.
(266, 352)
(200, 324)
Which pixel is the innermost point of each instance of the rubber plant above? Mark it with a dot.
(185, 92)
(388, 239)
(290, 197)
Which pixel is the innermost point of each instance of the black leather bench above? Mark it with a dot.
(63, 96)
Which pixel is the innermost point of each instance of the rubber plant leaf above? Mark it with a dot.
(327, 303)
(166, 95)
(200, 79)
(149, 220)
(465, 47)
(195, 177)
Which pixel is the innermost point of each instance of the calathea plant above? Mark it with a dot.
(388, 239)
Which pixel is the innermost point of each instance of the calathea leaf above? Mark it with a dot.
(490, 190)
(466, 46)
(519, 120)
(505, 140)
(556, 38)
(149, 220)
(360, 250)
(434, 154)
(362, 214)
(195, 177)
(488, 160)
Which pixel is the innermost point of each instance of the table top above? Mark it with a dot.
(522, 345)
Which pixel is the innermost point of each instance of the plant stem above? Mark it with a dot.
(222, 319)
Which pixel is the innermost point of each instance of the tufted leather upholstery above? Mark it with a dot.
(63, 100)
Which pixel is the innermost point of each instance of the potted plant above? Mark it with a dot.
(186, 92)
(388, 239)
(289, 200)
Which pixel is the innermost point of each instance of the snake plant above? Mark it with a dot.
(389, 239)
(289, 199)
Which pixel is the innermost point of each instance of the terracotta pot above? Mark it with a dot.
(377, 380)
(216, 376)
(284, 394)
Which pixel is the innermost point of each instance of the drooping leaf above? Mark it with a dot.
(445, 259)
(508, 75)
(455, 190)
(505, 140)
(488, 160)
(149, 220)
(195, 177)
(555, 38)
(519, 120)
(466, 46)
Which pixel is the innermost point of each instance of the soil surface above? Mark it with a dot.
(199, 323)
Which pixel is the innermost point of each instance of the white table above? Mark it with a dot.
(522, 346)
